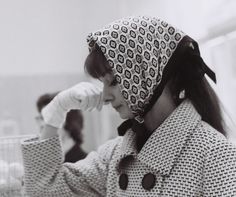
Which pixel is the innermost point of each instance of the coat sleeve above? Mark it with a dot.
(46, 175)
(220, 171)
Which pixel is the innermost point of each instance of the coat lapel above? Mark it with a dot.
(164, 146)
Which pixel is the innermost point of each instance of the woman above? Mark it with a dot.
(172, 142)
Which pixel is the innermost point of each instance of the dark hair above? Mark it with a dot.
(183, 77)
(43, 100)
(96, 64)
(188, 76)
(74, 119)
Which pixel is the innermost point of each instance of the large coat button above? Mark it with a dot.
(123, 181)
(148, 181)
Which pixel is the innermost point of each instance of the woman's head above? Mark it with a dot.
(143, 54)
(135, 50)
(98, 67)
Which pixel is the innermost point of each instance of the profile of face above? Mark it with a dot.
(112, 94)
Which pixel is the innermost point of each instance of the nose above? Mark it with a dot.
(107, 94)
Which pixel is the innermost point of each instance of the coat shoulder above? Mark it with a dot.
(108, 149)
(208, 137)
(219, 163)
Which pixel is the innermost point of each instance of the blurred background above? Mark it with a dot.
(43, 48)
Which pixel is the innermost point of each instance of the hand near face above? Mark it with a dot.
(84, 96)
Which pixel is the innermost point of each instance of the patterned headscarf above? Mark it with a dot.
(138, 50)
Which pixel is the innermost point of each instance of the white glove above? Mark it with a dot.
(83, 96)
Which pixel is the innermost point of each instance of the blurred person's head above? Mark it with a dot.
(73, 125)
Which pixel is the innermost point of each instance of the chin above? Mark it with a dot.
(126, 116)
(123, 117)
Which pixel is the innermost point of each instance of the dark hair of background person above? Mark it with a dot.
(198, 90)
(73, 126)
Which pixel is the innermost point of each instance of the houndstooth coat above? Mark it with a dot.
(183, 157)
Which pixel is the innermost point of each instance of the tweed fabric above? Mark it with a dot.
(138, 50)
(186, 156)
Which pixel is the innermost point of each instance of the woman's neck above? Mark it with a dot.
(163, 107)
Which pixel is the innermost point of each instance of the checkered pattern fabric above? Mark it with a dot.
(138, 50)
(185, 155)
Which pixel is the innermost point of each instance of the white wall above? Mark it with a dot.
(42, 36)
(48, 36)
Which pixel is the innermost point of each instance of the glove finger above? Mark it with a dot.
(94, 100)
(100, 102)
(87, 96)
(83, 92)
(94, 97)
(81, 100)
(87, 101)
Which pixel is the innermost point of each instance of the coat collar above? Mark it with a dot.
(164, 146)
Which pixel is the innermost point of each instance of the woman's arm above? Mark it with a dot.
(46, 174)
(48, 131)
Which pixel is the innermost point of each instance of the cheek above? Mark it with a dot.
(127, 111)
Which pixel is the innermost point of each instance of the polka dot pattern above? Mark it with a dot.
(138, 50)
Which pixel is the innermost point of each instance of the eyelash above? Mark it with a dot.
(114, 82)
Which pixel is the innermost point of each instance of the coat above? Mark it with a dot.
(184, 156)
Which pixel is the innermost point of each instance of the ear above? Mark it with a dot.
(172, 90)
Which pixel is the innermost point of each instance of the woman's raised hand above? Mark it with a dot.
(84, 96)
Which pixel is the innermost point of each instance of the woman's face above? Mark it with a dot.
(112, 94)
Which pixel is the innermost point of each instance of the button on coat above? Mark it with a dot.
(148, 181)
(123, 181)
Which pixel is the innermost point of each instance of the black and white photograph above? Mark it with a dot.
(117, 98)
